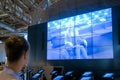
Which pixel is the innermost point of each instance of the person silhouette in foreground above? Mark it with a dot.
(16, 48)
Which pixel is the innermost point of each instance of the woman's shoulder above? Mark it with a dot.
(4, 76)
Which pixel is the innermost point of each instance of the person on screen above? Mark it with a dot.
(81, 48)
(70, 50)
(16, 48)
(69, 34)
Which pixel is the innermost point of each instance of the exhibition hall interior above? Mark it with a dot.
(69, 39)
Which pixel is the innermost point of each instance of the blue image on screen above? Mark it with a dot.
(83, 21)
(53, 29)
(53, 54)
(102, 39)
(102, 28)
(85, 36)
(104, 52)
(101, 16)
(67, 22)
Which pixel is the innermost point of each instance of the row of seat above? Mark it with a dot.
(69, 75)
(85, 76)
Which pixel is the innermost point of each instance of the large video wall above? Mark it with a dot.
(84, 36)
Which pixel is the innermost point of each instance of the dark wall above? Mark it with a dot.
(66, 8)
(116, 34)
(37, 35)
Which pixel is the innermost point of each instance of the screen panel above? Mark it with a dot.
(53, 54)
(103, 52)
(85, 36)
(102, 27)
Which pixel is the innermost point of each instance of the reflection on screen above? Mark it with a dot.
(85, 36)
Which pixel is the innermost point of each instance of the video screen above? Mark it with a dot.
(84, 36)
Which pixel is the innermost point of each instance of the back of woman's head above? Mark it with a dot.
(15, 46)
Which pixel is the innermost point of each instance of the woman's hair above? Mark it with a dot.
(15, 46)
